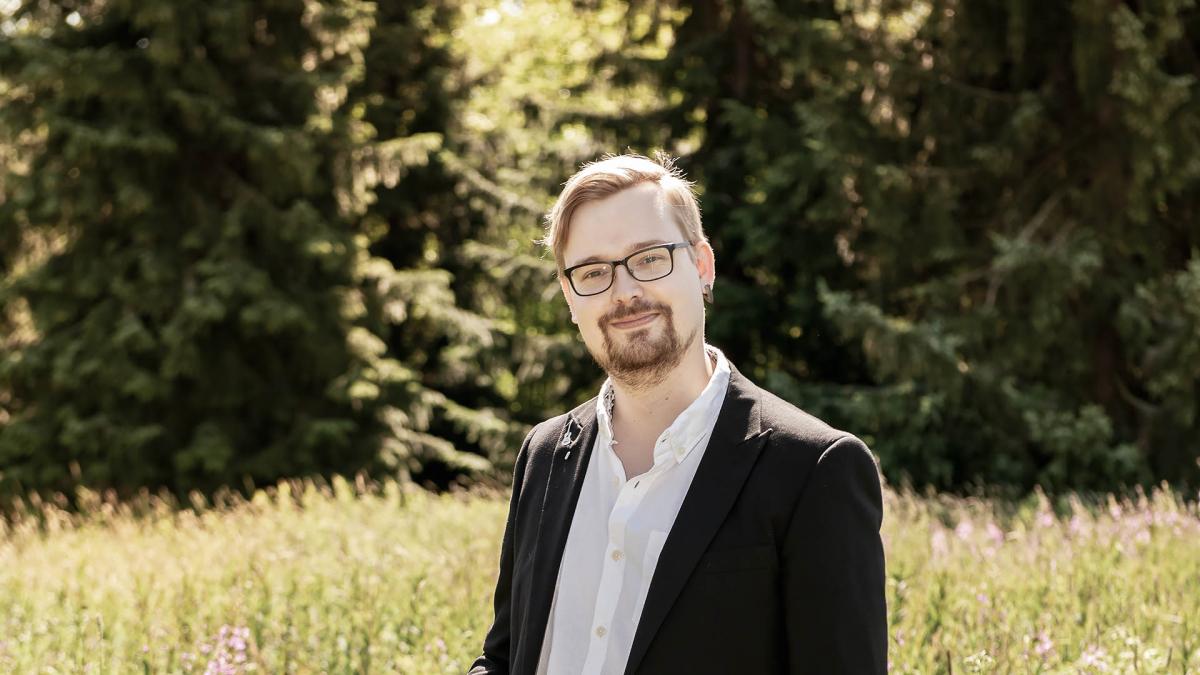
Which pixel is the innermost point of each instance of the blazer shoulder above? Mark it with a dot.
(796, 427)
(800, 442)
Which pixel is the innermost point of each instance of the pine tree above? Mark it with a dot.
(480, 318)
(191, 164)
(415, 224)
(965, 231)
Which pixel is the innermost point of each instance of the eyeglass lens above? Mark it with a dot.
(645, 265)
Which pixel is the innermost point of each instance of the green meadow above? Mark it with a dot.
(364, 578)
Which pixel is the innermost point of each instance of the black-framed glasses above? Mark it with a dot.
(647, 264)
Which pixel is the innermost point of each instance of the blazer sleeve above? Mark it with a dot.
(833, 567)
(495, 657)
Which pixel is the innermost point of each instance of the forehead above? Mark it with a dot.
(610, 228)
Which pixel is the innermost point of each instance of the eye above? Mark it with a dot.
(592, 273)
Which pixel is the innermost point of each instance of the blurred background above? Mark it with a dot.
(243, 241)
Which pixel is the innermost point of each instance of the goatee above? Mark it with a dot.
(641, 358)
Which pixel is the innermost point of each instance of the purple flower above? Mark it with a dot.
(1093, 657)
(964, 530)
(1044, 645)
(938, 543)
(995, 533)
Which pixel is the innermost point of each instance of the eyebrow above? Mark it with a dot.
(636, 247)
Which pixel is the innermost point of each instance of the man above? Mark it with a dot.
(684, 520)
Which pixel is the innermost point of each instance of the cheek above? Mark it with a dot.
(688, 312)
(589, 318)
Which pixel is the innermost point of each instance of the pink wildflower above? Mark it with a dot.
(938, 543)
(1044, 645)
(995, 533)
(1093, 657)
(964, 529)
(1045, 519)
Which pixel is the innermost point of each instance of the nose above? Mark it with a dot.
(625, 287)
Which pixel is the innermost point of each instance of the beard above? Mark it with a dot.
(641, 358)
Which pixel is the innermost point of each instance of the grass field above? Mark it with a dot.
(346, 579)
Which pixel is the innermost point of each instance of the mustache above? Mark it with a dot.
(626, 311)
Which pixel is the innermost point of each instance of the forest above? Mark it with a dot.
(244, 241)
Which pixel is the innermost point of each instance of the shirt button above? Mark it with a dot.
(617, 555)
(600, 631)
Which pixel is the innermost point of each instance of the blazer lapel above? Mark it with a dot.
(567, 468)
(732, 450)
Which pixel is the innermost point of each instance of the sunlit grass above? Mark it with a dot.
(351, 579)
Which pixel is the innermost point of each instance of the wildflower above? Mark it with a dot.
(979, 662)
(1044, 645)
(995, 533)
(1077, 525)
(938, 543)
(964, 529)
(228, 656)
(1094, 657)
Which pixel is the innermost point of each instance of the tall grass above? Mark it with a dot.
(355, 578)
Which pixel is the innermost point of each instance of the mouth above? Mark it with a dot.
(635, 321)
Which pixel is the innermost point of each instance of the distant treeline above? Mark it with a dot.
(241, 240)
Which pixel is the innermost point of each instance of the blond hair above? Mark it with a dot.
(613, 173)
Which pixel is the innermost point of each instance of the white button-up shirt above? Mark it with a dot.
(617, 532)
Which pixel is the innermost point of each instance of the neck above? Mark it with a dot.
(653, 406)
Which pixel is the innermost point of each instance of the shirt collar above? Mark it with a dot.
(684, 434)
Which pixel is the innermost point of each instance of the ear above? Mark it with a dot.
(706, 262)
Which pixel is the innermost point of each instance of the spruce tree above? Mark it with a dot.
(473, 308)
(963, 230)
(190, 163)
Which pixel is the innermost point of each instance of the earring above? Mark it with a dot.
(708, 293)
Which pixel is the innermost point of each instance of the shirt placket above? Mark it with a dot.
(612, 578)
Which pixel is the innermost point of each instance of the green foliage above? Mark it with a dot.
(406, 102)
(488, 332)
(241, 240)
(964, 231)
(187, 329)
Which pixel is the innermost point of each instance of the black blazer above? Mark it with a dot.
(774, 564)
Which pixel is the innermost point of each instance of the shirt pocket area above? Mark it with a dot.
(738, 559)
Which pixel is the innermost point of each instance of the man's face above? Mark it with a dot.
(638, 331)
